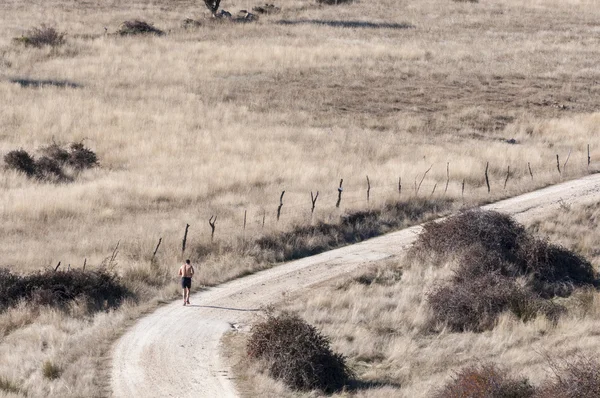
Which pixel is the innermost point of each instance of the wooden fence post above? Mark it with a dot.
(462, 193)
(558, 164)
(313, 199)
(212, 222)
(156, 250)
(589, 159)
(420, 182)
(368, 189)
(280, 205)
(340, 189)
(530, 172)
(187, 227)
(487, 179)
(507, 176)
(400, 186)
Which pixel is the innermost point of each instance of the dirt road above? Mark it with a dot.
(174, 352)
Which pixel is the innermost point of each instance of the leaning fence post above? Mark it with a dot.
(340, 189)
(187, 226)
(313, 199)
(368, 189)
(566, 161)
(420, 182)
(280, 205)
(530, 172)
(462, 192)
(557, 163)
(507, 176)
(156, 250)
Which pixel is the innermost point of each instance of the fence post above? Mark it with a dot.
(368, 189)
(589, 159)
(487, 180)
(280, 205)
(558, 164)
(420, 182)
(156, 250)
(187, 226)
(212, 222)
(313, 199)
(340, 189)
(400, 186)
(530, 172)
(507, 176)
(447, 177)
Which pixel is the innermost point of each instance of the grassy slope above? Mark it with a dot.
(221, 119)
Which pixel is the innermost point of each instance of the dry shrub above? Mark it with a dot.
(80, 157)
(48, 169)
(21, 161)
(42, 36)
(267, 9)
(493, 252)
(50, 370)
(137, 27)
(485, 381)
(308, 240)
(298, 354)
(98, 289)
(334, 2)
(51, 165)
(577, 379)
(8, 386)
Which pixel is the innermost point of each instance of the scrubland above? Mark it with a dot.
(382, 321)
(220, 119)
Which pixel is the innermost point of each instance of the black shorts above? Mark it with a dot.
(186, 282)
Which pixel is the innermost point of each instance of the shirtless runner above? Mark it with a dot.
(186, 271)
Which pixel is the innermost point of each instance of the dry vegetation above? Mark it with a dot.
(382, 320)
(222, 118)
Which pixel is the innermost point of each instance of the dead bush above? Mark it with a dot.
(334, 2)
(298, 354)
(267, 9)
(80, 157)
(21, 161)
(49, 170)
(577, 379)
(42, 36)
(492, 253)
(485, 381)
(137, 27)
(98, 289)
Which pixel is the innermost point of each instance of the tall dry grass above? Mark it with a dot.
(219, 119)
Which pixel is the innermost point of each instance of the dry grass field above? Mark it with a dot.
(220, 119)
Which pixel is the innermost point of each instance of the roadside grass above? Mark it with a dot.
(383, 325)
(220, 119)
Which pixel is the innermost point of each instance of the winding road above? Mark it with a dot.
(148, 360)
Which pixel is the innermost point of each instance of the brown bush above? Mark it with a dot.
(492, 251)
(21, 161)
(485, 381)
(42, 36)
(49, 170)
(577, 379)
(137, 27)
(297, 354)
(99, 289)
(50, 370)
(81, 157)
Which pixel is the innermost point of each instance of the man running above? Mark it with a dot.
(186, 271)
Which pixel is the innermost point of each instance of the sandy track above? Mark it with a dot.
(149, 360)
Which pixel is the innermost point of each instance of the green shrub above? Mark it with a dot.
(297, 354)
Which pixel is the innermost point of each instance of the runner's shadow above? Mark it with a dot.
(225, 308)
